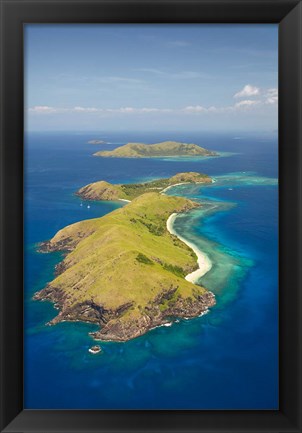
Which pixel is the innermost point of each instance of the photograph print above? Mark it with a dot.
(151, 216)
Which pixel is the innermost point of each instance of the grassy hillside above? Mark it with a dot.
(124, 271)
(102, 191)
(165, 148)
(105, 191)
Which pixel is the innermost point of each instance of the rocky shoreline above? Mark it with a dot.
(112, 328)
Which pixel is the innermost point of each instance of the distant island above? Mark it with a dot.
(163, 149)
(96, 142)
(126, 271)
(103, 190)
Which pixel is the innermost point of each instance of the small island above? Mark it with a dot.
(95, 349)
(97, 142)
(163, 149)
(126, 271)
(103, 190)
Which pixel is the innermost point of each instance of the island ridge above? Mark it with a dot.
(125, 271)
(97, 142)
(163, 149)
(103, 190)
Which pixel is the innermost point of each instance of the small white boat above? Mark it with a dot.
(88, 207)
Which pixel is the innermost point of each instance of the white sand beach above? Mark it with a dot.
(203, 260)
(172, 186)
(185, 183)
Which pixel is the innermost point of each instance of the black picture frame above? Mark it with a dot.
(14, 13)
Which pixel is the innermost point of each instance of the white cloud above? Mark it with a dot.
(42, 109)
(45, 109)
(149, 110)
(191, 109)
(271, 101)
(271, 96)
(79, 109)
(86, 109)
(126, 110)
(261, 96)
(195, 109)
(266, 97)
(247, 91)
(155, 110)
(242, 105)
(272, 92)
(132, 110)
(246, 103)
(140, 110)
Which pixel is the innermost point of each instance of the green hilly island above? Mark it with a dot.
(103, 190)
(163, 149)
(125, 271)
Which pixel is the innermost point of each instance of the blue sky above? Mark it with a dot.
(151, 77)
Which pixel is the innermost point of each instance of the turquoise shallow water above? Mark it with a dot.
(227, 359)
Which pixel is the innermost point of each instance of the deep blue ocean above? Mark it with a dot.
(226, 359)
